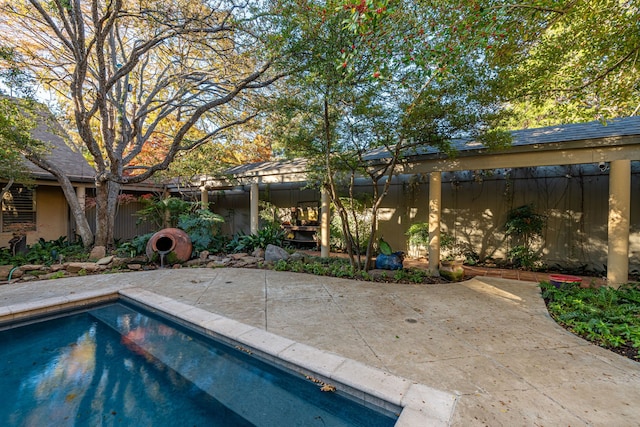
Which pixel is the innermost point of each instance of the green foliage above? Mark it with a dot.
(418, 234)
(163, 213)
(384, 247)
(201, 226)
(523, 257)
(606, 316)
(45, 252)
(359, 223)
(523, 224)
(134, 247)
(269, 234)
(17, 120)
(570, 60)
(340, 267)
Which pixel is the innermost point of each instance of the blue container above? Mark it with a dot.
(390, 262)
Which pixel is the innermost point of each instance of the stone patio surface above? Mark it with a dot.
(488, 340)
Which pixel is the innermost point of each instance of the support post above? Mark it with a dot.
(254, 197)
(435, 203)
(324, 223)
(204, 197)
(618, 224)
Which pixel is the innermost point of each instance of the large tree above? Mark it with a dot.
(176, 72)
(366, 81)
(571, 60)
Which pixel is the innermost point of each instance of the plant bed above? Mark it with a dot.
(607, 317)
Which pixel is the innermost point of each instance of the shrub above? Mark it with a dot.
(269, 234)
(134, 247)
(201, 226)
(45, 252)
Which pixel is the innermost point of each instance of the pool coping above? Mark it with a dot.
(420, 404)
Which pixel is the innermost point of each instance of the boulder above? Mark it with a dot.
(98, 252)
(4, 271)
(275, 253)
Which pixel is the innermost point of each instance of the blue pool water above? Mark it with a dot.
(118, 365)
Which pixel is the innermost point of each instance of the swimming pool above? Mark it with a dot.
(122, 365)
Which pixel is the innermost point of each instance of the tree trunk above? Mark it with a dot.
(106, 203)
(6, 188)
(83, 229)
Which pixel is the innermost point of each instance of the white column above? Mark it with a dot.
(324, 223)
(618, 226)
(435, 202)
(254, 197)
(204, 197)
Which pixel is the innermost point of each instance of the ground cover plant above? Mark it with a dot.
(341, 267)
(45, 252)
(605, 316)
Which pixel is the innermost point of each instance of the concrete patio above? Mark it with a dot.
(488, 340)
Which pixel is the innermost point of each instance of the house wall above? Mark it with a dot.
(474, 209)
(574, 200)
(51, 216)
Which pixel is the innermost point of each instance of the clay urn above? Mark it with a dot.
(170, 240)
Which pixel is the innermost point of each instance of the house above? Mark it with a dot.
(40, 210)
(585, 178)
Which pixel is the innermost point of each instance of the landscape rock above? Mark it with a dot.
(258, 253)
(134, 267)
(4, 271)
(298, 256)
(204, 255)
(98, 252)
(17, 274)
(216, 264)
(105, 260)
(31, 267)
(238, 255)
(75, 267)
(275, 253)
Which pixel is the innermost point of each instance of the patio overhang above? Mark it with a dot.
(612, 145)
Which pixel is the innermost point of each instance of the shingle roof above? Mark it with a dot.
(627, 126)
(61, 153)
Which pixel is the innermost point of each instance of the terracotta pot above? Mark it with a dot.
(168, 241)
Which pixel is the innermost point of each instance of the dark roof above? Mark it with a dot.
(61, 151)
(269, 168)
(627, 126)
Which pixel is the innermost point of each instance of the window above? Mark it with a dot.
(19, 209)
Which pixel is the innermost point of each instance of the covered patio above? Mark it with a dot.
(611, 147)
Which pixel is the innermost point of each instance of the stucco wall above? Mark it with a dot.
(51, 216)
